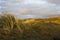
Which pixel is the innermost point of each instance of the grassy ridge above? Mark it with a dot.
(12, 28)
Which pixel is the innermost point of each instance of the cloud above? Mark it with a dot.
(54, 1)
(22, 10)
(36, 7)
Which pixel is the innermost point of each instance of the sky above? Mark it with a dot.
(31, 8)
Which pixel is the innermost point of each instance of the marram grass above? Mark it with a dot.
(12, 28)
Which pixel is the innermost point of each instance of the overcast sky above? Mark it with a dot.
(31, 8)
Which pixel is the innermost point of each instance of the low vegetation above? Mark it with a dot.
(12, 28)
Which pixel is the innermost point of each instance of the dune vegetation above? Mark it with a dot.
(12, 28)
